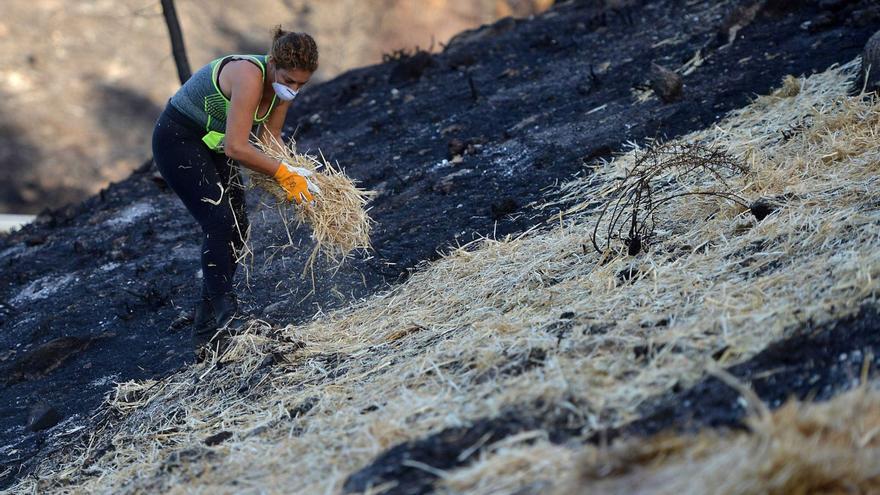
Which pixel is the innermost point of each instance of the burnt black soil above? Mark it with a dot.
(817, 364)
(458, 144)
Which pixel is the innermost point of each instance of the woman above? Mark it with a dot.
(202, 136)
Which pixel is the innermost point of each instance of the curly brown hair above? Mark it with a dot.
(294, 50)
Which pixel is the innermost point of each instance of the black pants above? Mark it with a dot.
(211, 188)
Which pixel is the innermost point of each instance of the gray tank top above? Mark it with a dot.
(201, 100)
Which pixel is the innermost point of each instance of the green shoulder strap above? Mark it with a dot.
(217, 105)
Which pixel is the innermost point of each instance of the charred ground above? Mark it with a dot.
(457, 144)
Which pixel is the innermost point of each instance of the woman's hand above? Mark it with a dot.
(295, 181)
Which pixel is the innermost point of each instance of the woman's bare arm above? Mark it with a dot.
(270, 131)
(246, 89)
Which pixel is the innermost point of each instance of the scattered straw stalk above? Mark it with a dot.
(338, 217)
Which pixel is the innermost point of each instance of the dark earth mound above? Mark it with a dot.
(457, 144)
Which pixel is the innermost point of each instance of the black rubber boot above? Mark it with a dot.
(225, 322)
(204, 328)
(220, 319)
(226, 311)
(203, 316)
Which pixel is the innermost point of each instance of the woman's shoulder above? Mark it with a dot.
(240, 73)
(243, 64)
(256, 60)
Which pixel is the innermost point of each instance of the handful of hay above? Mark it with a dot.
(338, 219)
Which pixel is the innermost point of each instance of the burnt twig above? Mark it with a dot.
(632, 209)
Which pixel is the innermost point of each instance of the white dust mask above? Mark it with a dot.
(284, 92)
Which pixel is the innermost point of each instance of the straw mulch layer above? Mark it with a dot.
(517, 321)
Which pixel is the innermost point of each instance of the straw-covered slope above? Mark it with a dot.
(544, 333)
(457, 143)
(801, 448)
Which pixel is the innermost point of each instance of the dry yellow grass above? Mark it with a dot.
(414, 360)
(338, 217)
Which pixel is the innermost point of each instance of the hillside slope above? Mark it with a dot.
(114, 271)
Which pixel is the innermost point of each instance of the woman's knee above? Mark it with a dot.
(227, 225)
(219, 223)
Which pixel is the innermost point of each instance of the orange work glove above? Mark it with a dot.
(296, 183)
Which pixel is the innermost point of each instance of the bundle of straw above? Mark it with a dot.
(338, 217)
